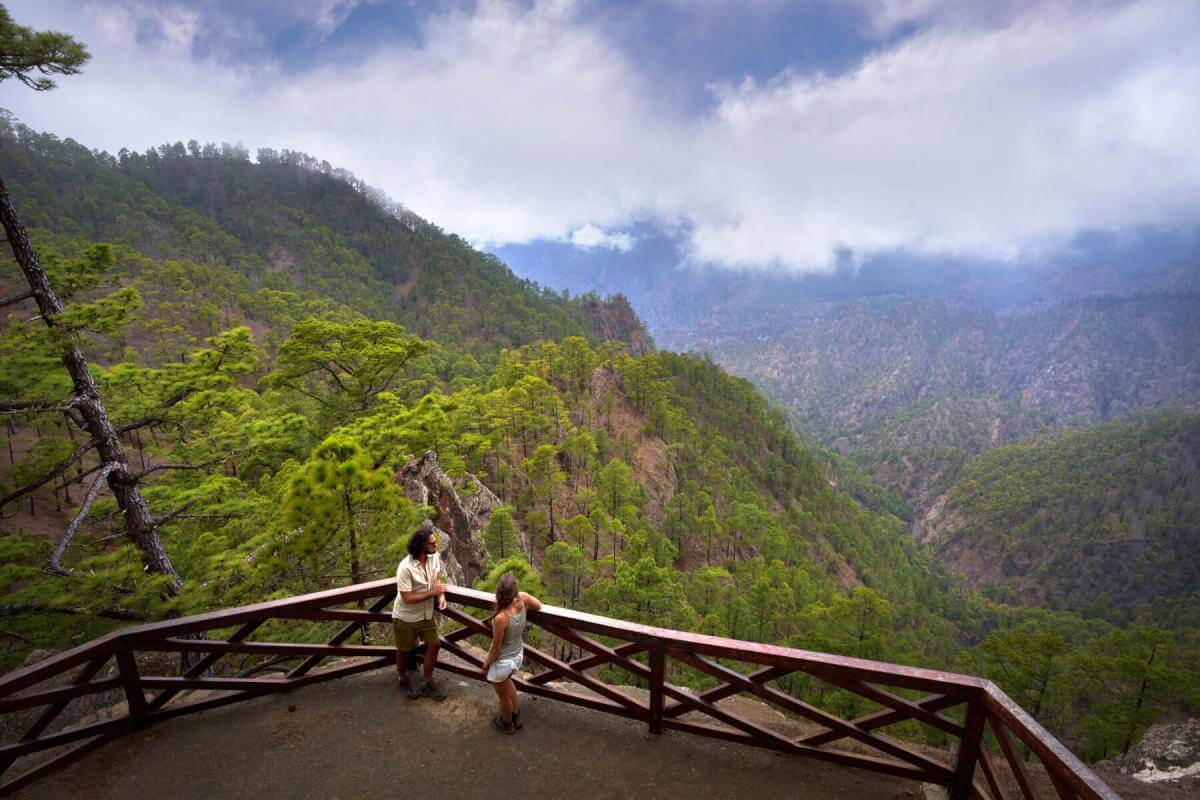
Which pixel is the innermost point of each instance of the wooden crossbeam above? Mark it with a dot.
(344, 634)
(51, 713)
(588, 662)
(66, 693)
(783, 745)
(267, 648)
(910, 709)
(205, 664)
(607, 654)
(587, 681)
(812, 712)
(73, 734)
(356, 615)
(1015, 762)
(723, 690)
(45, 768)
(278, 685)
(989, 775)
(1065, 792)
(881, 719)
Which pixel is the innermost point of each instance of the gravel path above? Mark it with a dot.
(359, 738)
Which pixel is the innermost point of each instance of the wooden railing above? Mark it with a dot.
(120, 667)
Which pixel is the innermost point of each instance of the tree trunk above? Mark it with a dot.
(355, 564)
(139, 525)
(1138, 705)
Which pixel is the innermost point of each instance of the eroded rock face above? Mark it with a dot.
(1169, 752)
(462, 509)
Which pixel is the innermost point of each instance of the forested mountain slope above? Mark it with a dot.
(1099, 520)
(292, 223)
(270, 425)
(856, 373)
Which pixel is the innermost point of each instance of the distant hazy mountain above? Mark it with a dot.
(1097, 520)
(930, 373)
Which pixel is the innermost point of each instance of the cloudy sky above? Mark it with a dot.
(751, 133)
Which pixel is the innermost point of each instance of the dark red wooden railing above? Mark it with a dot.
(118, 666)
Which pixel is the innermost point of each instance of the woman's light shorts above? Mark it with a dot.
(503, 668)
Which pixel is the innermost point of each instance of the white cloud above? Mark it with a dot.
(591, 237)
(519, 122)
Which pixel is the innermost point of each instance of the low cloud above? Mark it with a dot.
(591, 237)
(512, 123)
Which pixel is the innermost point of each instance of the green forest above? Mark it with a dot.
(274, 341)
(1105, 516)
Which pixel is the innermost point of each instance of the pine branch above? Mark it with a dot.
(159, 467)
(16, 494)
(8, 301)
(163, 520)
(61, 548)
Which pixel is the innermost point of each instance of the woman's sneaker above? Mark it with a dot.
(517, 720)
(503, 727)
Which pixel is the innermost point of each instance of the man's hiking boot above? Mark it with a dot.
(430, 689)
(503, 727)
(412, 687)
(517, 720)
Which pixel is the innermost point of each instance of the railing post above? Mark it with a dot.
(968, 750)
(135, 697)
(658, 663)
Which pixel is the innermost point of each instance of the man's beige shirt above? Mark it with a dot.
(412, 577)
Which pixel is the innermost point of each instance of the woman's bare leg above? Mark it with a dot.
(508, 700)
(512, 697)
(502, 694)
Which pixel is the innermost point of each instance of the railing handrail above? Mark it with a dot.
(986, 703)
(593, 622)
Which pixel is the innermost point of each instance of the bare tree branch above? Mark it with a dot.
(14, 635)
(107, 612)
(8, 301)
(210, 516)
(158, 467)
(61, 548)
(57, 471)
(74, 418)
(163, 520)
(144, 422)
(18, 406)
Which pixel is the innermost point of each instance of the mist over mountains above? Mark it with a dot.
(689, 306)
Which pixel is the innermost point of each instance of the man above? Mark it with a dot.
(418, 582)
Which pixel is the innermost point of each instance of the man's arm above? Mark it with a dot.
(416, 597)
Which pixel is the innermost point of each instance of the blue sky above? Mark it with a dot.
(751, 135)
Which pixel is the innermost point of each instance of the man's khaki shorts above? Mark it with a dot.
(407, 633)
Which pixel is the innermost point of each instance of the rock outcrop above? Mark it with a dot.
(461, 510)
(1167, 753)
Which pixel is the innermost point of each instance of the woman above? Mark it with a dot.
(506, 654)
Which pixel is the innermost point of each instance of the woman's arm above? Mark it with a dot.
(499, 626)
(531, 602)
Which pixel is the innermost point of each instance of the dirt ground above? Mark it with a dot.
(358, 737)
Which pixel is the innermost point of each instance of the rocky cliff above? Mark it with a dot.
(461, 510)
